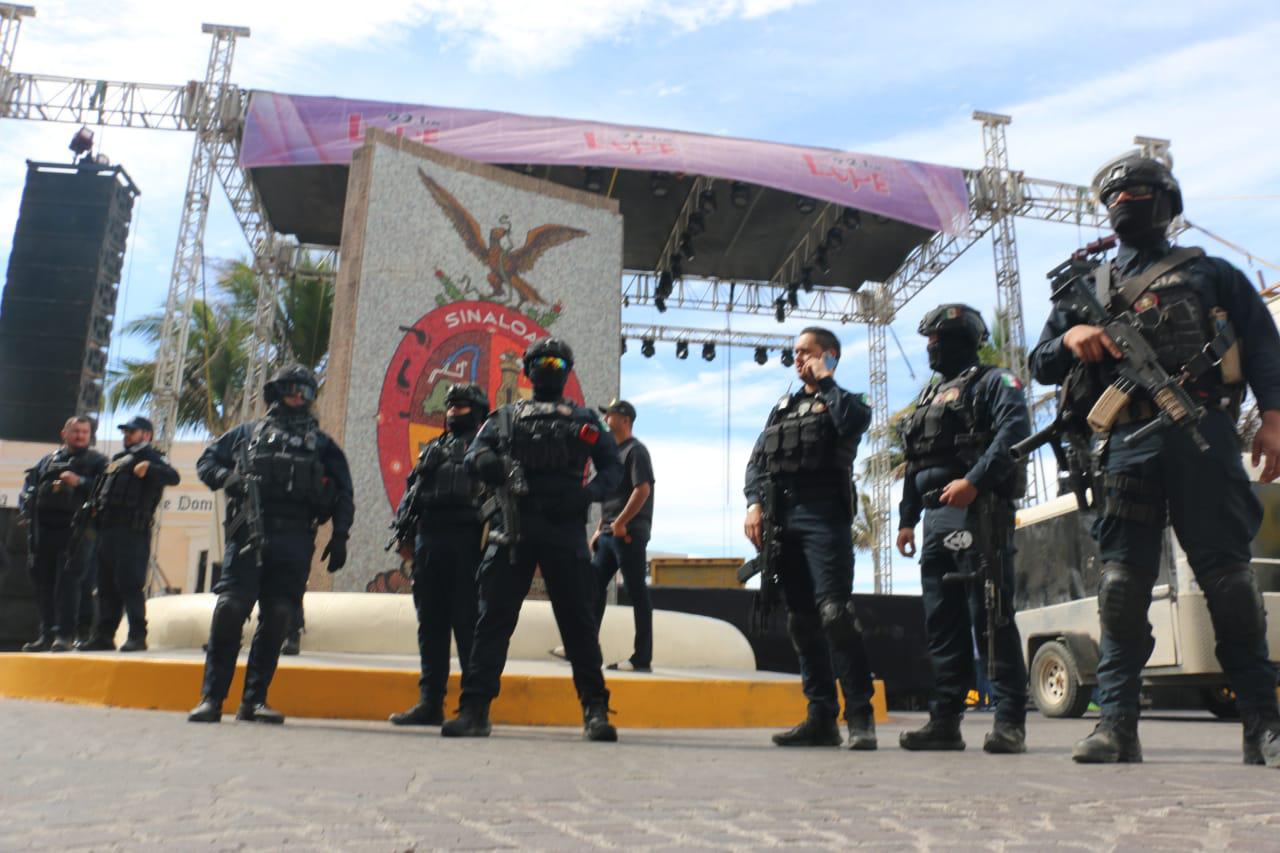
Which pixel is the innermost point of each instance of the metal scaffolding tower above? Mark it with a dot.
(879, 475)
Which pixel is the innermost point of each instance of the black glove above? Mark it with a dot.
(489, 468)
(233, 485)
(336, 553)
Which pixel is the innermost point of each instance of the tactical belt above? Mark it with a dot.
(288, 525)
(1132, 499)
(808, 493)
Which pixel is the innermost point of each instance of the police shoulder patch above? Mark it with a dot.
(1009, 380)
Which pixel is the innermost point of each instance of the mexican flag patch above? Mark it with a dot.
(1010, 381)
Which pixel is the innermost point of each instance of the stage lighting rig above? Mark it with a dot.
(82, 143)
(686, 246)
(780, 309)
(697, 224)
(622, 346)
(821, 260)
(851, 219)
(835, 238)
(646, 347)
(707, 202)
(793, 297)
(709, 351)
(806, 280)
(739, 194)
(788, 358)
(762, 355)
(660, 184)
(593, 179)
(677, 268)
(682, 350)
(805, 205)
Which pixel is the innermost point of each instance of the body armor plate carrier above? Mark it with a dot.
(449, 485)
(292, 478)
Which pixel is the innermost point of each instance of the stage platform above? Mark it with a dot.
(336, 685)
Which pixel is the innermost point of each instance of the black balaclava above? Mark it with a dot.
(1140, 222)
(952, 352)
(463, 424)
(548, 384)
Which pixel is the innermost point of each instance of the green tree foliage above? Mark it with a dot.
(218, 343)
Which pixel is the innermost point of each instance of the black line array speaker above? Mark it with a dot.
(60, 295)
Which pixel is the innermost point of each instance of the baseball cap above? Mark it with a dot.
(619, 407)
(138, 422)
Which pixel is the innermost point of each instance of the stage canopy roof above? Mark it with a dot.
(767, 195)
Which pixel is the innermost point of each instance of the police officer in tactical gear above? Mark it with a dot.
(800, 479)
(53, 491)
(957, 442)
(1211, 329)
(445, 499)
(300, 478)
(551, 439)
(124, 507)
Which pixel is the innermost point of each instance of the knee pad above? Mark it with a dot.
(805, 629)
(1235, 604)
(229, 615)
(838, 620)
(1123, 599)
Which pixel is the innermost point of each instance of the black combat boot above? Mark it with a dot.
(263, 713)
(862, 731)
(208, 711)
(62, 644)
(41, 643)
(1006, 738)
(814, 731)
(134, 644)
(97, 644)
(939, 734)
(1114, 739)
(596, 725)
(1261, 739)
(293, 645)
(425, 713)
(472, 721)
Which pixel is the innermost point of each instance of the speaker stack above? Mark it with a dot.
(60, 296)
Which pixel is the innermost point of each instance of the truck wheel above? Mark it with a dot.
(1055, 682)
(1221, 702)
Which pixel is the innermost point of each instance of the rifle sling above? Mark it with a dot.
(1134, 286)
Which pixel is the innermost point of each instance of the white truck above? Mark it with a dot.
(1057, 572)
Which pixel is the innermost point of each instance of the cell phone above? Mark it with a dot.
(829, 360)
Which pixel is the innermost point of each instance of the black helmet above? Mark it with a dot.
(547, 348)
(1134, 170)
(468, 395)
(291, 379)
(955, 317)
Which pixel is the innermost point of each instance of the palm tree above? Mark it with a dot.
(218, 343)
(864, 524)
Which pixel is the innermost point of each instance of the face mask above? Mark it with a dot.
(461, 423)
(1137, 220)
(548, 384)
(950, 354)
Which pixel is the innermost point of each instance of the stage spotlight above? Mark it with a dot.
(793, 298)
(821, 260)
(707, 202)
(686, 246)
(739, 194)
(665, 284)
(806, 279)
(682, 350)
(677, 268)
(622, 349)
(762, 355)
(788, 358)
(805, 205)
(646, 347)
(780, 309)
(697, 223)
(835, 238)
(660, 184)
(851, 219)
(708, 351)
(593, 179)
(660, 302)
(82, 142)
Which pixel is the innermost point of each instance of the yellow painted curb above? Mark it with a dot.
(355, 693)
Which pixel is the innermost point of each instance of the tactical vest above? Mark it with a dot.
(125, 499)
(942, 431)
(292, 479)
(55, 501)
(803, 439)
(547, 440)
(449, 485)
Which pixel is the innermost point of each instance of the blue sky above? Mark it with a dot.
(1080, 81)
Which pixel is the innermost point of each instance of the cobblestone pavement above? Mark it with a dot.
(79, 778)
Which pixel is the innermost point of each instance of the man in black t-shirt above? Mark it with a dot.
(625, 524)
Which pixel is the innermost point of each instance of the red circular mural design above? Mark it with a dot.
(480, 342)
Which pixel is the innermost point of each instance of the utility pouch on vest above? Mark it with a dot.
(1232, 370)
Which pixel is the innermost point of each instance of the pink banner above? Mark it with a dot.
(296, 130)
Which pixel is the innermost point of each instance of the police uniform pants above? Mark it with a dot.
(276, 587)
(445, 561)
(559, 550)
(123, 554)
(56, 575)
(816, 575)
(955, 617)
(1215, 516)
(614, 554)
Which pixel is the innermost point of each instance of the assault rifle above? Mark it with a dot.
(501, 511)
(405, 524)
(765, 563)
(990, 518)
(83, 520)
(248, 517)
(1138, 367)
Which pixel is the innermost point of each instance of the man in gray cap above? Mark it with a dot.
(623, 534)
(123, 509)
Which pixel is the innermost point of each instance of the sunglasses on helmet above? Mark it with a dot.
(551, 362)
(1134, 190)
